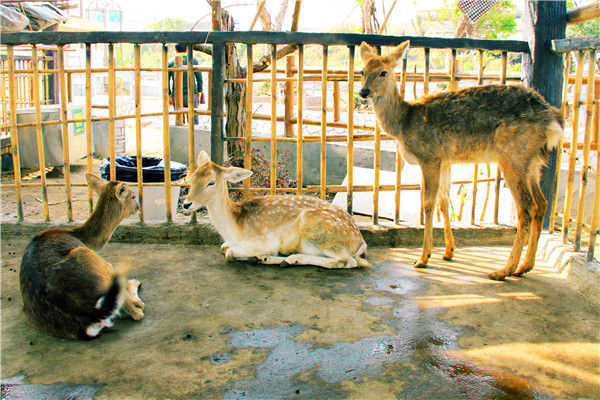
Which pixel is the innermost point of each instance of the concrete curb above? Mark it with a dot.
(203, 233)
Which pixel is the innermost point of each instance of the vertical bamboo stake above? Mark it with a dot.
(111, 110)
(426, 71)
(596, 208)
(178, 90)
(476, 166)
(69, 87)
(88, 119)
(289, 97)
(3, 91)
(573, 149)
(14, 138)
(564, 105)
(299, 136)
(350, 157)
(166, 142)
(137, 66)
(248, 141)
(336, 101)
(503, 58)
(403, 76)
(587, 141)
(397, 188)
(376, 166)
(273, 171)
(453, 83)
(35, 83)
(191, 112)
(65, 129)
(323, 180)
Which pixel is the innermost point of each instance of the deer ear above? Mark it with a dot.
(235, 175)
(367, 52)
(398, 52)
(95, 183)
(203, 158)
(121, 191)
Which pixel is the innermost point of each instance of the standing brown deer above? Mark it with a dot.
(511, 125)
(68, 290)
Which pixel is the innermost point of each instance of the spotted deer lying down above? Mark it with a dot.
(68, 290)
(275, 229)
(511, 125)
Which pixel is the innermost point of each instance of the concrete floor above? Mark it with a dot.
(218, 330)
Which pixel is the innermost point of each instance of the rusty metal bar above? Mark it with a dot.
(166, 141)
(376, 165)
(350, 147)
(88, 119)
(38, 130)
(112, 97)
(323, 163)
(573, 150)
(178, 90)
(14, 135)
(65, 130)
(300, 127)
(273, 162)
(137, 64)
(587, 141)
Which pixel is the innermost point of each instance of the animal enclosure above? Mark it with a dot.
(313, 117)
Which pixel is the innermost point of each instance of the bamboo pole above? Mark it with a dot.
(209, 94)
(273, 170)
(336, 101)
(300, 113)
(453, 84)
(289, 97)
(38, 130)
(137, 63)
(191, 115)
(323, 180)
(426, 71)
(376, 166)
(560, 150)
(573, 151)
(260, 8)
(166, 133)
(350, 147)
(503, 59)
(14, 135)
(88, 119)
(178, 90)
(248, 141)
(65, 130)
(387, 17)
(111, 111)
(476, 166)
(587, 141)
(397, 189)
(596, 208)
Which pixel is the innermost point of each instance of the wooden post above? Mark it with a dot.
(38, 128)
(248, 141)
(216, 103)
(137, 65)
(178, 91)
(111, 111)
(65, 130)
(289, 96)
(88, 119)
(542, 69)
(14, 135)
(323, 163)
(350, 157)
(336, 101)
(273, 158)
(166, 139)
(299, 136)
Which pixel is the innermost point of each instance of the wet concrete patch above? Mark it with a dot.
(17, 388)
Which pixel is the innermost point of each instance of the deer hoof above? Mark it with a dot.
(497, 276)
(419, 264)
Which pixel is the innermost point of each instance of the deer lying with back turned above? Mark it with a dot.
(511, 125)
(68, 290)
(275, 229)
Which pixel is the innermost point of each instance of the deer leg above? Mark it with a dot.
(224, 248)
(522, 196)
(539, 208)
(444, 197)
(431, 179)
(133, 305)
(321, 261)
